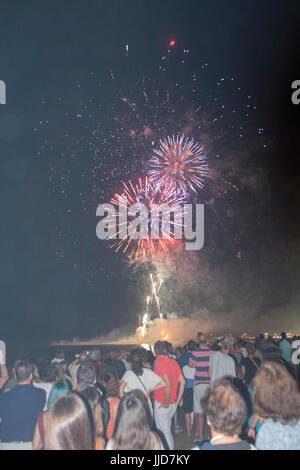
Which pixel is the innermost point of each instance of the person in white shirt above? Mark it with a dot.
(221, 364)
(140, 377)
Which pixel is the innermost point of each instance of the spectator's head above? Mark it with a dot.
(59, 389)
(250, 349)
(239, 344)
(257, 342)
(283, 335)
(83, 356)
(137, 361)
(149, 358)
(123, 356)
(64, 366)
(201, 337)
(169, 347)
(225, 345)
(86, 375)
(59, 354)
(275, 393)
(230, 340)
(160, 348)
(225, 408)
(24, 371)
(178, 352)
(69, 425)
(109, 357)
(36, 374)
(191, 346)
(132, 428)
(108, 378)
(95, 355)
(50, 374)
(93, 397)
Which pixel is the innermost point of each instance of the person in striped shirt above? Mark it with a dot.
(200, 360)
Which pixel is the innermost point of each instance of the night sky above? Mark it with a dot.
(57, 280)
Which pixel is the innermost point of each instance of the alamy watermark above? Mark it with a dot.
(296, 353)
(2, 92)
(161, 221)
(2, 352)
(296, 94)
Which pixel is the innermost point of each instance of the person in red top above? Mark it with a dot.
(167, 399)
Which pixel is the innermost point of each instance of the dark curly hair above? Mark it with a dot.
(225, 408)
(137, 361)
(108, 378)
(86, 374)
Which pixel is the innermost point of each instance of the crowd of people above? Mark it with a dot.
(234, 394)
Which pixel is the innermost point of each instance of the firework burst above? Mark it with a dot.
(179, 164)
(141, 195)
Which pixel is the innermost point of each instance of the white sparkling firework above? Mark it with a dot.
(179, 163)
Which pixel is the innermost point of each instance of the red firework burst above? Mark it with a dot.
(135, 198)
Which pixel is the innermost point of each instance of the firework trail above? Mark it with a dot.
(179, 163)
(153, 306)
(155, 291)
